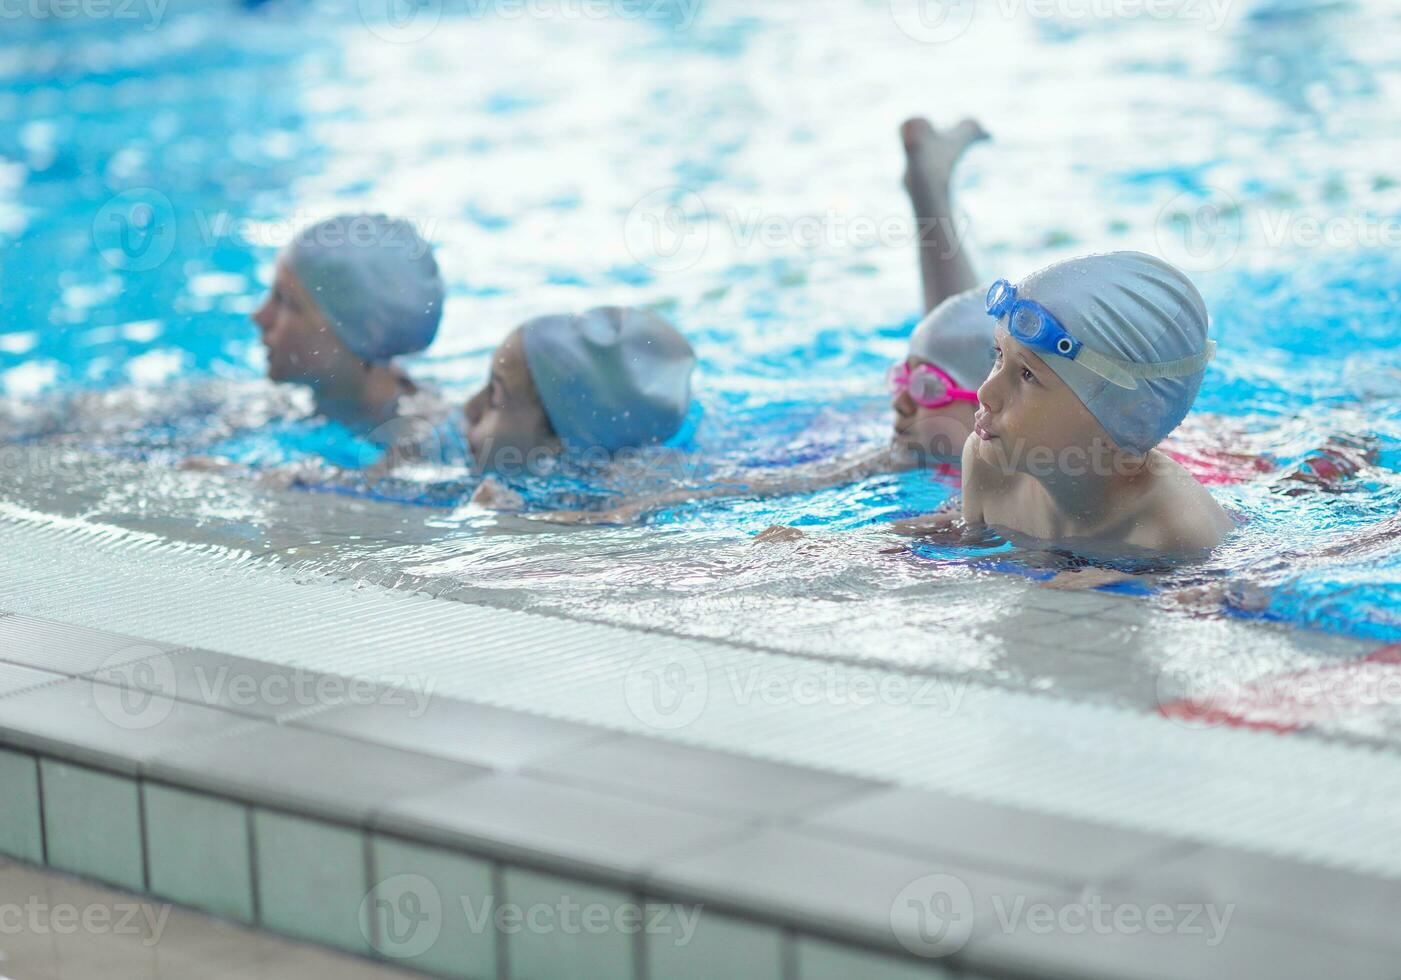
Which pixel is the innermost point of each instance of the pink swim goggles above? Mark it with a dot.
(929, 386)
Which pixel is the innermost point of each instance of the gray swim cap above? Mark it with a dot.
(1135, 308)
(613, 377)
(374, 279)
(957, 337)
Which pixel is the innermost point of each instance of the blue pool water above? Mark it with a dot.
(150, 169)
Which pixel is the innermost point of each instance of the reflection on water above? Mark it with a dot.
(523, 147)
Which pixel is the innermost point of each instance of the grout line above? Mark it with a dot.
(256, 901)
(43, 820)
(498, 888)
(788, 953)
(640, 966)
(371, 887)
(143, 833)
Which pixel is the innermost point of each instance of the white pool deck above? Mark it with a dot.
(177, 719)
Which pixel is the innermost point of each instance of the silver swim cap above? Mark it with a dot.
(1138, 313)
(957, 337)
(374, 279)
(613, 377)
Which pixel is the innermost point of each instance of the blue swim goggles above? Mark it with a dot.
(1034, 325)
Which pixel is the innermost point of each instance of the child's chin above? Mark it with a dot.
(988, 451)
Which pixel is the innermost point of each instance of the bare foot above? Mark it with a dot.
(930, 157)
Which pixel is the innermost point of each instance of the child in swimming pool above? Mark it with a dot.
(592, 385)
(350, 294)
(950, 355)
(1098, 359)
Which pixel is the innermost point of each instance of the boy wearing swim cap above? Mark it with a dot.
(1098, 359)
(610, 379)
(349, 295)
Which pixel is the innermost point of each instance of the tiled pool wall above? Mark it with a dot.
(812, 839)
(469, 840)
(117, 783)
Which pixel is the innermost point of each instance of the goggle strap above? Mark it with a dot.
(1126, 374)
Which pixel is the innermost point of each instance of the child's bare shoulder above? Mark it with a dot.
(1184, 516)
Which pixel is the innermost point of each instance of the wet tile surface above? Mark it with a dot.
(308, 771)
(1018, 842)
(92, 824)
(1240, 951)
(464, 732)
(21, 831)
(433, 909)
(181, 825)
(311, 880)
(64, 649)
(100, 724)
(560, 951)
(666, 772)
(1280, 894)
(691, 943)
(821, 960)
(532, 819)
(14, 678)
(838, 888)
(236, 684)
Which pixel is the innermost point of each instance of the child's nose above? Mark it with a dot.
(903, 403)
(988, 395)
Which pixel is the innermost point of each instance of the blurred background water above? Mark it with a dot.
(736, 166)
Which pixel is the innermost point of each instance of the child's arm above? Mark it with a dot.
(794, 480)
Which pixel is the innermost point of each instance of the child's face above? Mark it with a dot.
(924, 431)
(506, 419)
(1028, 417)
(301, 346)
